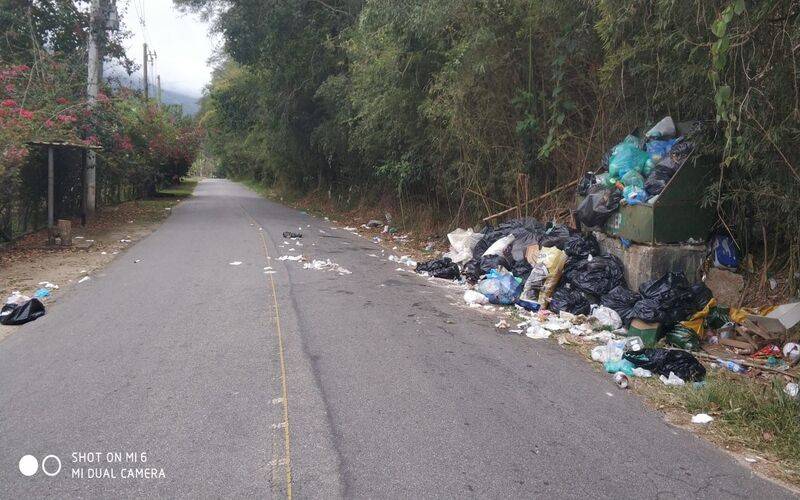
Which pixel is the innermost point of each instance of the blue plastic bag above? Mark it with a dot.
(724, 250)
(634, 195)
(660, 149)
(500, 288)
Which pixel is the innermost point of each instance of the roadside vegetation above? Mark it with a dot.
(461, 109)
(43, 98)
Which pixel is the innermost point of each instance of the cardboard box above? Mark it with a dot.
(531, 252)
(779, 320)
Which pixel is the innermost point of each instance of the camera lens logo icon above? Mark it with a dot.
(29, 465)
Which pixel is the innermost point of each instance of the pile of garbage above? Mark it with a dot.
(562, 285)
(635, 171)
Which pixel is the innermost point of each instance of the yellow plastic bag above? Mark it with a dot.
(697, 322)
(554, 260)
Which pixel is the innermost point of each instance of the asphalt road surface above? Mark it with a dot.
(181, 375)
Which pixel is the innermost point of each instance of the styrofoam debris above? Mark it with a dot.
(702, 418)
(290, 257)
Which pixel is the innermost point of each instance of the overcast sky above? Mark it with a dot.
(181, 41)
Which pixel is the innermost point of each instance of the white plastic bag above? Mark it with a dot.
(475, 297)
(462, 242)
(500, 245)
(607, 317)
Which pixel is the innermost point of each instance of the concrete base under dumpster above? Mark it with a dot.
(646, 262)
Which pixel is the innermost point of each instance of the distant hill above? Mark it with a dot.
(190, 104)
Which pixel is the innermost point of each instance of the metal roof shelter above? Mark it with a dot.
(51, 147)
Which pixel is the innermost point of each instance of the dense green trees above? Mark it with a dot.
(447, 102)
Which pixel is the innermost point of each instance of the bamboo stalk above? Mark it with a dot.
(538, 198)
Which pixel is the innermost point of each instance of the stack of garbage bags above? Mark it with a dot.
(636, 170)
(554, 267)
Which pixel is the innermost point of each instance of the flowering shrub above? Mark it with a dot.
(143, 145)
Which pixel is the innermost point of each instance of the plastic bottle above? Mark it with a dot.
(731, 366)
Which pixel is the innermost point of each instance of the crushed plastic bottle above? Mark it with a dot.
(731, 366)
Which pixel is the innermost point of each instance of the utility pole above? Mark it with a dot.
(158, 82)
(144, 69)
(94, 71)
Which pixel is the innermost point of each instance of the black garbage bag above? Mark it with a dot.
(663, 361)
(595, 276)
(600, 203)
(525, 230)
(673, 298)
(683, 338)
(658, 179)
(521, 269)
(621, 299)
(556, 235)
(566, 298)
(581, 246)
(472, 270)
(475, 268)
(17, 314)
(702, 294)
(648, 310)
(681, 150)
(440, 268)
(586, 182)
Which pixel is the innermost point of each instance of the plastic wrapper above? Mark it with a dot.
(664, 361)
(634, 195)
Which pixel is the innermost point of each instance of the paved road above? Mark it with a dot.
(393, 389)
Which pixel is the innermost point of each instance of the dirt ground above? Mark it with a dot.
(31, 261)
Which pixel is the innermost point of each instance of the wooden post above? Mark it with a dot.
(50, 186)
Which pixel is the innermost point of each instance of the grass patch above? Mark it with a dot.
(748, 414)
(758, 415)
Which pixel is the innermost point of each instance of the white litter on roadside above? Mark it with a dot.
(85, 278)
(404, 259)
(235, 263)
(325, 265)
(673, 380)
(268, 268)
(702, 418)
(290, 257)
(48, 285)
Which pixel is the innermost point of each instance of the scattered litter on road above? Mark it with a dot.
(501, 325)
(325, 265)
(85, 278)
(405, 260)
(290, 257)
(289, 234)
(48, 285)
(124, 240)
(42, 293)
(702, 418)
(235, 263)
(136, 261)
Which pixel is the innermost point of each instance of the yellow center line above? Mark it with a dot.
(284, 390)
